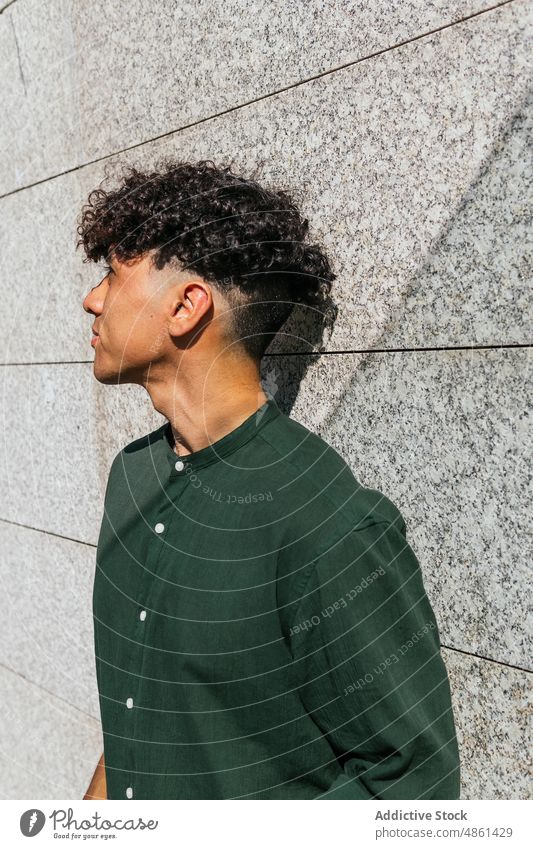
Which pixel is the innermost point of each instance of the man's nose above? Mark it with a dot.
(94, 300)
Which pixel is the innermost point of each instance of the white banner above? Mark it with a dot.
(281, 824)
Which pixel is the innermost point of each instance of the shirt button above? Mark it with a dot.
(159, 528)
(129, 792)
(129, 702)
(179, 466)
(142, 615)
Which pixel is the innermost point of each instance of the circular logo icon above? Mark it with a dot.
(31, 822)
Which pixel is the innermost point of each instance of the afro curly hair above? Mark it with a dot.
(247, 240)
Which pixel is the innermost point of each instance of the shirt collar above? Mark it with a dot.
(216, 450)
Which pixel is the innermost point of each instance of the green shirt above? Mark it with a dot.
(262, 629)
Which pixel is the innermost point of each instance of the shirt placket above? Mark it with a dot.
(163, 516)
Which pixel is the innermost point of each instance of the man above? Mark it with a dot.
(261, 625)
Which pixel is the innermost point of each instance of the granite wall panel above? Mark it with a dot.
(405, 139)
(80, 80)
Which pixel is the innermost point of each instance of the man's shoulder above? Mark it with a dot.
(136, 453)
(340, 522)
(326, 479)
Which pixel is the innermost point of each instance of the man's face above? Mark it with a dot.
(130, 308)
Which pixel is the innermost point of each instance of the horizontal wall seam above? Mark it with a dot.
(83, 713)
(258, 99)
(47, 533)
(488, 659)
(403, 350)
(510, 345)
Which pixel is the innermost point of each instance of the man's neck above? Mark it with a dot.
(201, 412)
(213, 423)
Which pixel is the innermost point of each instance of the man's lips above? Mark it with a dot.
(95, 337)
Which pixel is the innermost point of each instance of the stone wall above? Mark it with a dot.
(401, 128)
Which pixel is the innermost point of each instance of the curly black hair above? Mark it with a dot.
(245, 239)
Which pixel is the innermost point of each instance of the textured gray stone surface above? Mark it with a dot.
(61, 430)
(445, 435)
(492, 710)
(475, 283)
(45, 605)
(88, 79)
(49, 749)
(420, 200)
(43, 280)
(42, 130)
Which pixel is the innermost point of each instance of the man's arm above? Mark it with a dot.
(97, 787)
(367, 649)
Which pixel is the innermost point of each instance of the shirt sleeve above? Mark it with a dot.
(366, 644)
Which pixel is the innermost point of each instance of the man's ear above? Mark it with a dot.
(192, 302)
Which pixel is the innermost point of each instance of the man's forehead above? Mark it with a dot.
(117, 262)
(114, 258)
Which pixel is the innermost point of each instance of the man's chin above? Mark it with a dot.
(110, 376)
